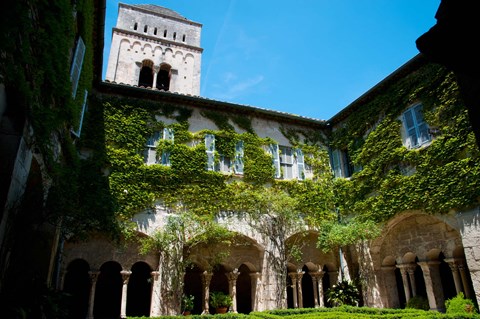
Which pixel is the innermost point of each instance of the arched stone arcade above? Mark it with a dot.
(422, 256)
(309, 278)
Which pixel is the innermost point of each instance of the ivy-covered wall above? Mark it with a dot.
(438, 178)
(128, 123)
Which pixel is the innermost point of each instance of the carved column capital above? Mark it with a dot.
(93, 274)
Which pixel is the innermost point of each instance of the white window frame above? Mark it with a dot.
(152, 143)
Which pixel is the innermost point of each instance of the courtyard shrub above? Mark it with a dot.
(343, 293)
(459, 304)
(418, 302)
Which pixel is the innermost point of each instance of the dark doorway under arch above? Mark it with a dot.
(163, 77)
(193, 286)
(77, 286)
(108, 293)
(146, 74)
(400, 289)
(307, 289)
(244, 290)
(139, 290)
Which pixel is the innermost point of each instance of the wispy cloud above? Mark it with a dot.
(231, 89)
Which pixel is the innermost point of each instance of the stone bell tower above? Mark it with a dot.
(155, 48)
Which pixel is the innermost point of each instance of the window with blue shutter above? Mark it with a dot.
(150, 152)
(210, 149)
(286, 161)
(167, 136)
(336, 162)
(76, 67)
(238, 167)
(300, 165)
(276, 159)
(415, 127)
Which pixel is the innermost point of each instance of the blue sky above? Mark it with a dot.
(306, 57)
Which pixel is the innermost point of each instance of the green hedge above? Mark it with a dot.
(344, 312)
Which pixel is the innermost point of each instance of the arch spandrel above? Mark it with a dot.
(415, 232)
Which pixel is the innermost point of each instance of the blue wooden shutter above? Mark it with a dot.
(335, 159)
(409, 122)
(275, 159)
(300, 165)
(238, 166)
(422, 127)
(167, 136)
(76, 67)
(210, 149)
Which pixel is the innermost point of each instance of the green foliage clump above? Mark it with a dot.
(343, 293)
(418, 302)
(460, 305)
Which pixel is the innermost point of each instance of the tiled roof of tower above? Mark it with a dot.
(159, 10)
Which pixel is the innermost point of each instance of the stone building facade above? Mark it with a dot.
(155, 47)
(155, 52)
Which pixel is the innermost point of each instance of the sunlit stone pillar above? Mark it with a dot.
(293, 276)
(155, 298)
(390, 286)
(155, 70)
(255, 283)
(466, 285)
(456, 276)
(314, 276)
(320, 288)
(433, 284)
(411, 275)
(206, 278)
(93, 280)
(299, 287)
(125, 277)
(232, 288)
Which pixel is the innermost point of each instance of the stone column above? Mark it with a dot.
(406, 286)
(125, 277)
(155, 298)
(232, 288)
(411, 275)
(466, 285)
(254, 282)
(314, 276)
(320, 289)
(206, 278)
(91, 301)
(433, 284)
(299, 287)
(390, 286)
(293, 276)
(155, 70)
(456, 276)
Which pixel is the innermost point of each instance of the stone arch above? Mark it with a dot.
(136, 46)
(163, 77)
(147, 49)
(145, 78)
(77, 284)
(219, 281)
(108, 291)
(139, 290)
